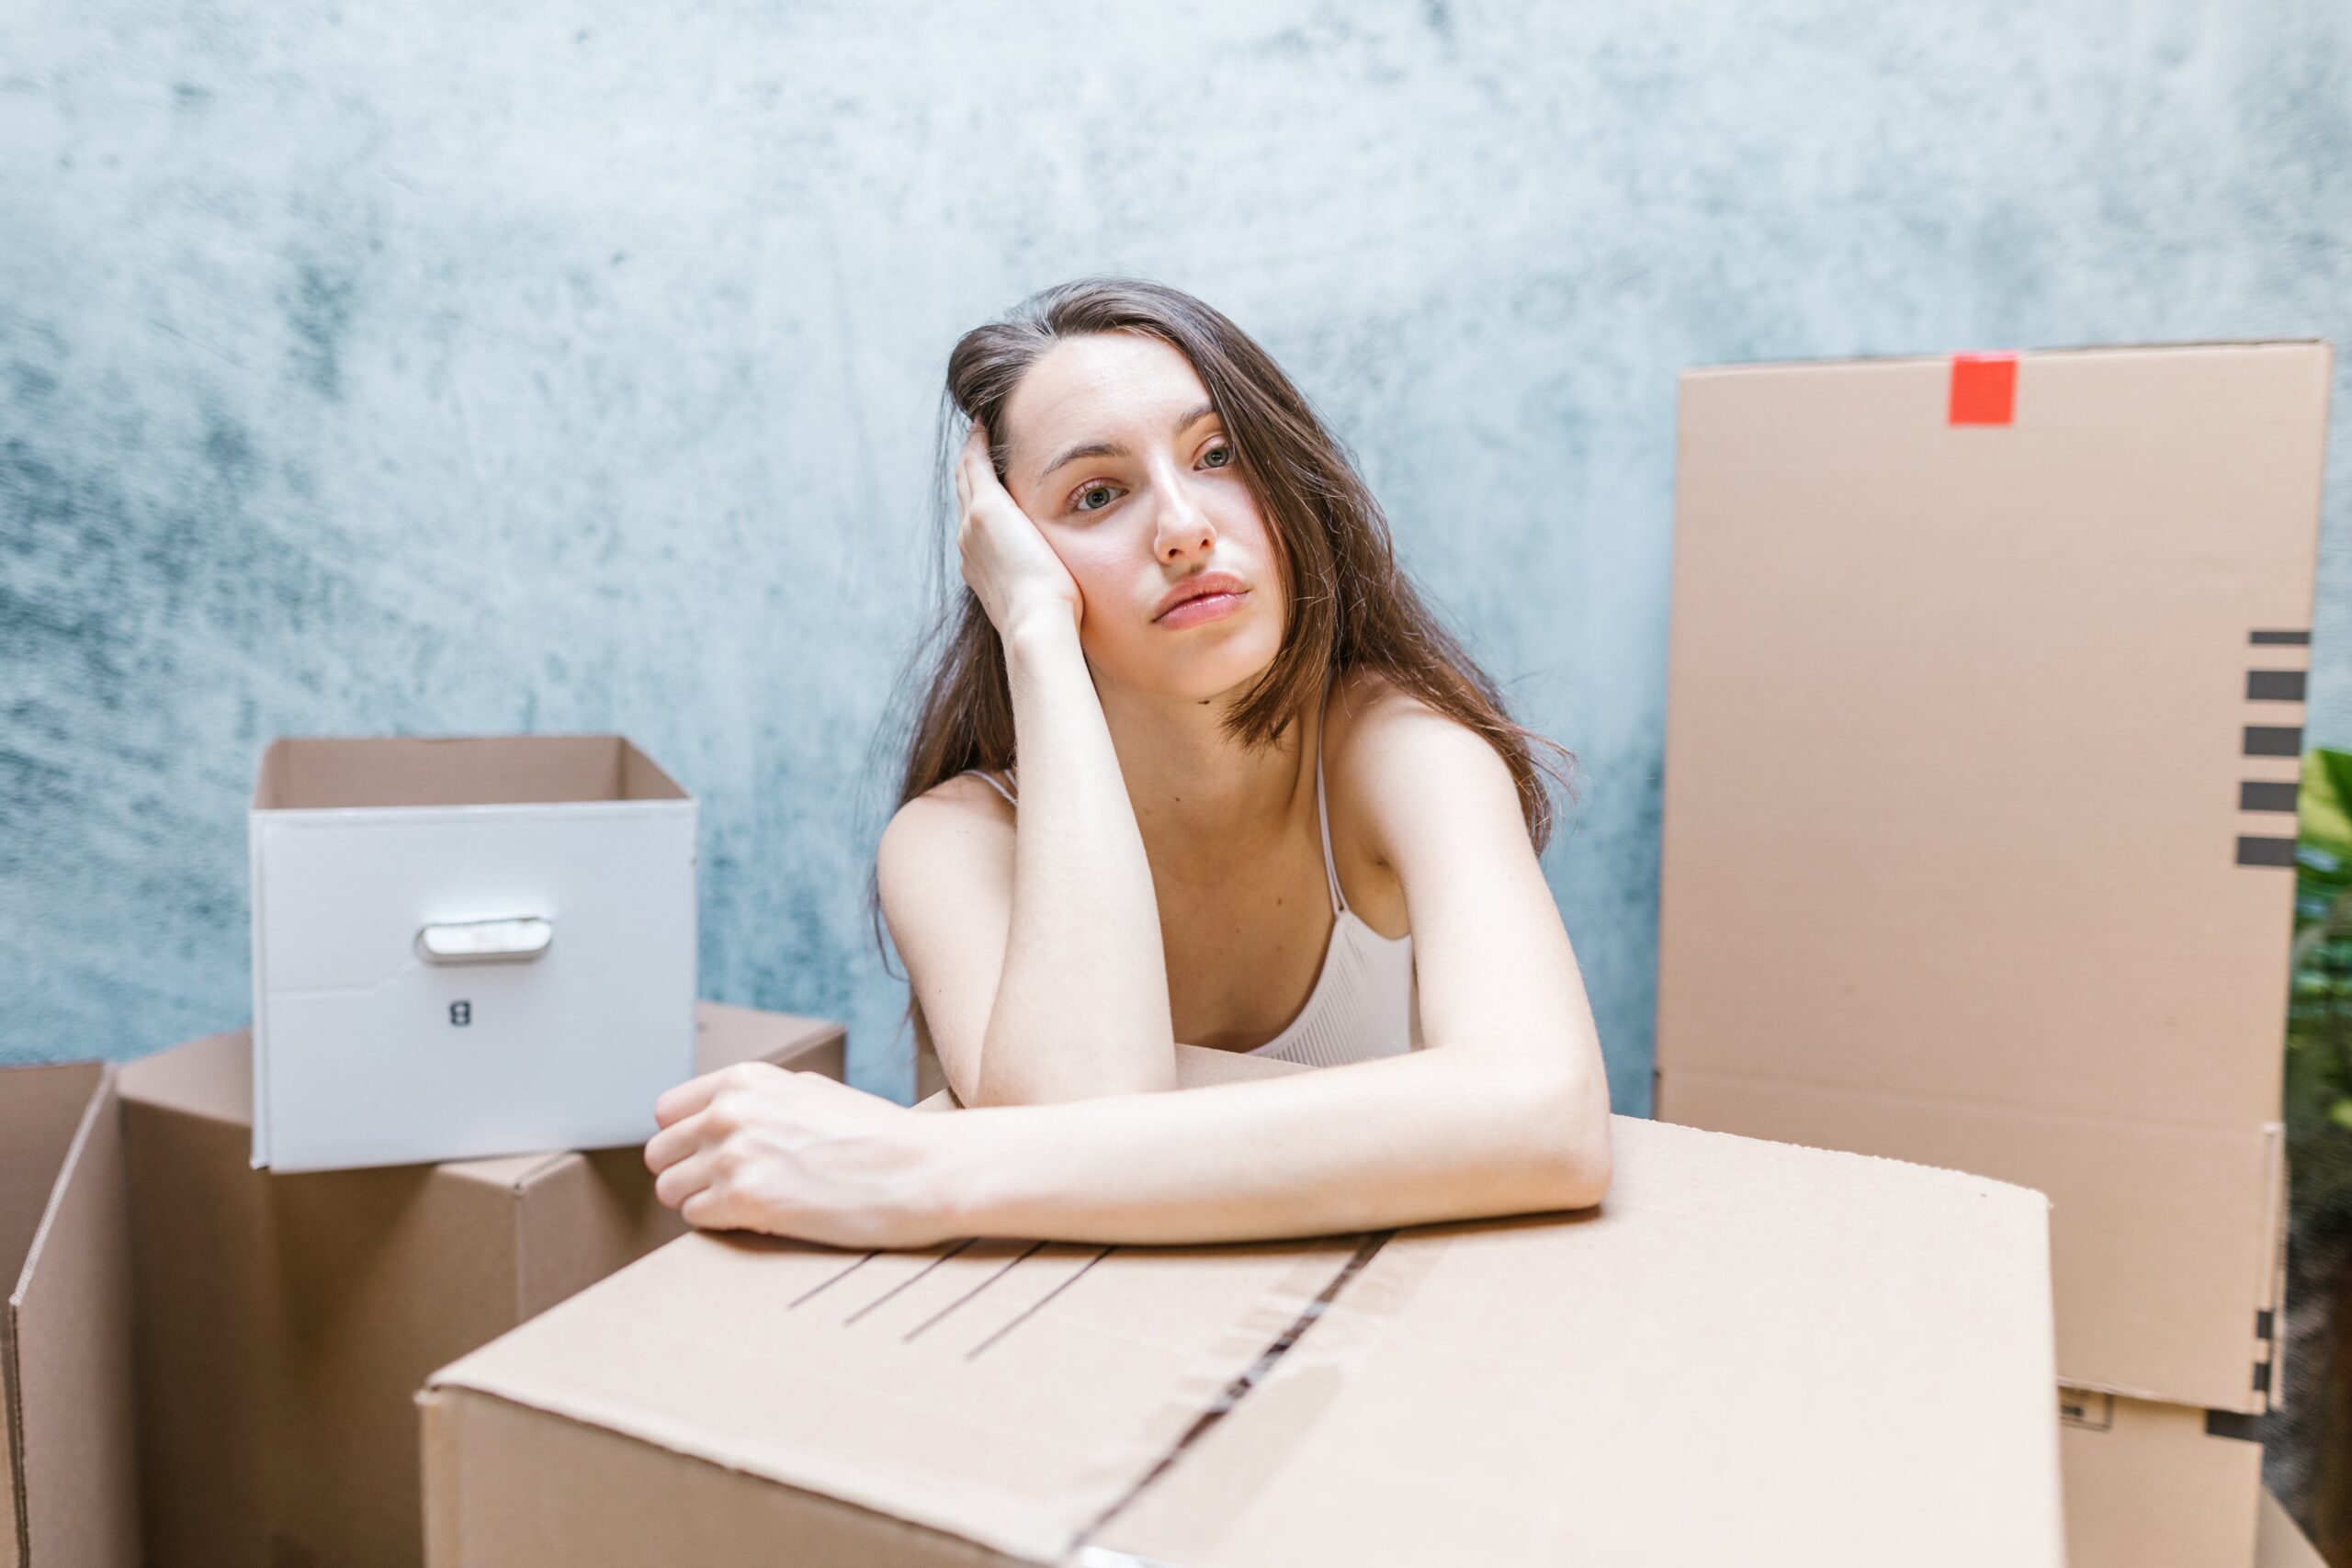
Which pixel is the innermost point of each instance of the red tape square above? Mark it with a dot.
(1984, 389)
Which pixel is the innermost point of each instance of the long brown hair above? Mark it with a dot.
(1350, 605)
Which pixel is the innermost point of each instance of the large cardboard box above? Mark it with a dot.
(284, 1321)
(1982, 721)
(68, 1490)
(466, 946)
(1750, 1353)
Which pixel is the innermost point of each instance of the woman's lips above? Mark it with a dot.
(1207, 607)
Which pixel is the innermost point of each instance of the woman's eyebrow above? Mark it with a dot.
(1112, 449)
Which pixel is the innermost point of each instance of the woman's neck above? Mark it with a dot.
(1207, 807)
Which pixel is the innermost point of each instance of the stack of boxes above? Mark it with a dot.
(466, 950)
(1983, 721)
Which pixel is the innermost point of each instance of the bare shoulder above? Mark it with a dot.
(959, 818)
(1401, 763)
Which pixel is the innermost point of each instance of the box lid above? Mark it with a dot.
(1982, 748)
(1751, 1353)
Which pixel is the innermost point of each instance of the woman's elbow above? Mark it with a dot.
(1575, 1159)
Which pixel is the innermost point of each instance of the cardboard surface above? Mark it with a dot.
(1750, 1353)
(2279, 1543)
(371, 855)
(69, 1491)
(2152, 1486)
(285, 1321)
(1979, 804)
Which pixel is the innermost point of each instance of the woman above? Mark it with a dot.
(1265, 804)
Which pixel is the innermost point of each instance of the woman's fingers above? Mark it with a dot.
(686, 1179)
(674, 1143)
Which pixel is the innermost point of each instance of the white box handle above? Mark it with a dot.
(517, 939)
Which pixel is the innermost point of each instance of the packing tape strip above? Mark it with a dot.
(1296, 1350)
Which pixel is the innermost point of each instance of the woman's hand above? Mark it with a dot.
(759, 1147)
(1015, 572)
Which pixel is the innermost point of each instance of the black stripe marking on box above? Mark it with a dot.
(2283, 639)
(2258, 794)
(2232, 1424)
(2274, 685)
(2265, 851)
(2262, 1321)
(2274, 740)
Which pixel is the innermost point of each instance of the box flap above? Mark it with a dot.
(1792, 1355)
(1841, 1346)
(211, 1078)
(73, 1495)
(1007, 1392)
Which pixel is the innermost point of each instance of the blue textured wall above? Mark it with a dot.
(449, 369)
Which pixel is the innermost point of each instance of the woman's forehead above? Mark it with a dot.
(1098, 384)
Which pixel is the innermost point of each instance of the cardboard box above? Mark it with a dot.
(2157, 1486)
(1983, 727)
(285, 1321)
(466, 946)
(1750, 1353)
(69, 1489)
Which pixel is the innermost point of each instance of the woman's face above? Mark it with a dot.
(1113, 450)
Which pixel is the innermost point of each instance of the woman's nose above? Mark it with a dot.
(1183, 524)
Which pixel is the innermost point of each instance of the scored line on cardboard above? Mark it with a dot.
(909, 1280)
(1006, 1268)
(1031, 1310)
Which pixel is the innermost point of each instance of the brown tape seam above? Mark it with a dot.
(1233, 1395)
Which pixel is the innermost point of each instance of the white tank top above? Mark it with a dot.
(1366, 1001)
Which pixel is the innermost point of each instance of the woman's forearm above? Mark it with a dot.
(1081, 1006)
(1406, 1140)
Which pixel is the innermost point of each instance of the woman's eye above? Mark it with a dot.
(1078, 501)
(1219, 450)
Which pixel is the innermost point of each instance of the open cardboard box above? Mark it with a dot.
(285, 1321)
(69, 1491)
(1750, 1352)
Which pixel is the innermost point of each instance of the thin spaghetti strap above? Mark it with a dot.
(1322, 812)
(990, 781)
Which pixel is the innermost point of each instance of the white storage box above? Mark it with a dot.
(466, 946)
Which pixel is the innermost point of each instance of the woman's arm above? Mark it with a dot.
(1436, 1134)
(1505, 1112)
(1080, 1006)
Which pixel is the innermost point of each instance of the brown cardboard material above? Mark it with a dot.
(1979, 805)
(1750, 1353)
(68, 1489)
(2279, 1543)
(285, 1321)
(2157, 1486)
